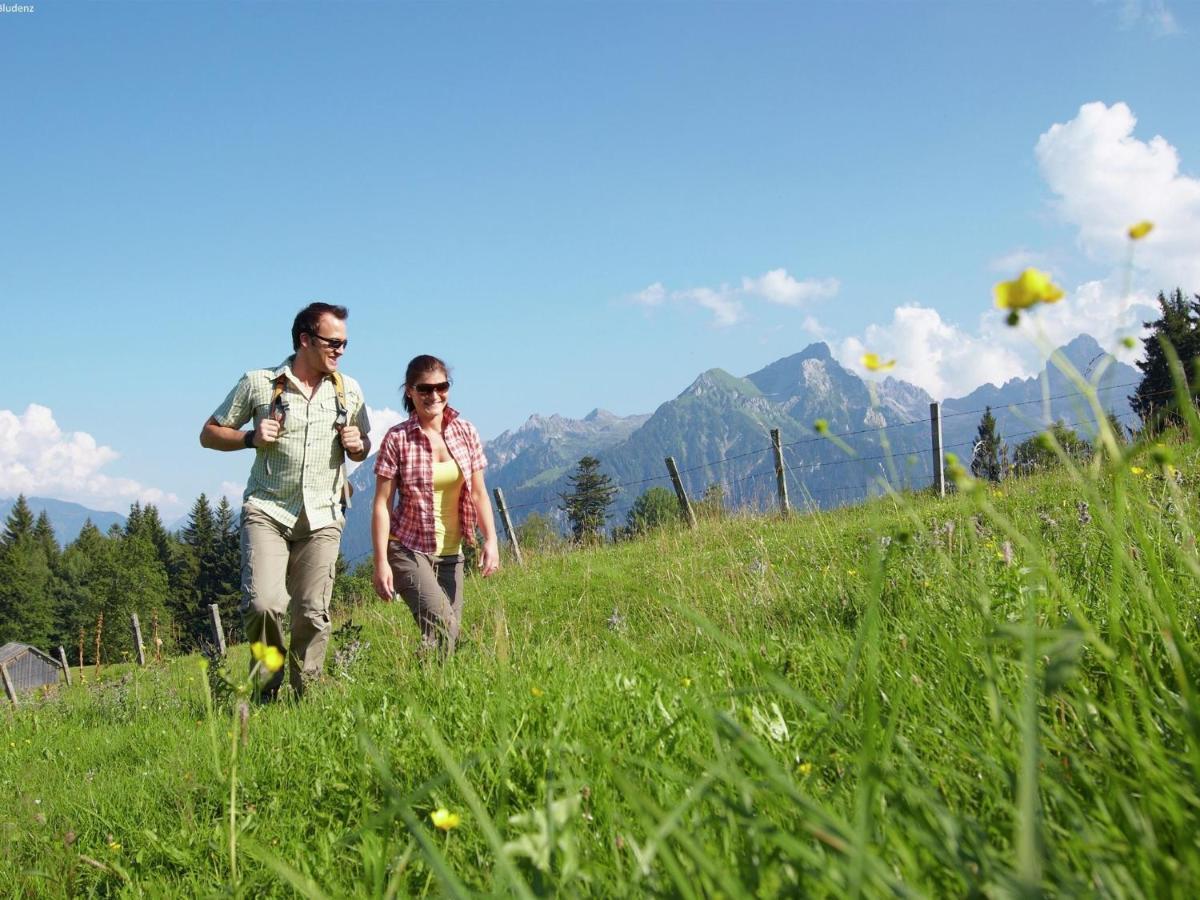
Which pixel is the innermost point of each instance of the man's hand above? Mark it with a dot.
(267, 432)
(489, 559)
(352, 441)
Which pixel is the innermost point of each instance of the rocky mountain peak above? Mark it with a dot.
(1083, 353)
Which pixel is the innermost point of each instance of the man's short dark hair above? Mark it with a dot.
(307, 319)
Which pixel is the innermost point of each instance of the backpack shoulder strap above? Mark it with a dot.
(339, 389)
(343, 419)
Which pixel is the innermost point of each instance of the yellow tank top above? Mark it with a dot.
(447, 489)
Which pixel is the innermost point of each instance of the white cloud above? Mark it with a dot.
(232, 491)
(721, 302)
(381, 420)
(1009, 264)
(939, 356)
(653, 295)
(37, 458)
(950, 361)
(1105, 179)
(777, 286)
(728, 304)
(1154, 13)
(1100, 308)
(815, 328)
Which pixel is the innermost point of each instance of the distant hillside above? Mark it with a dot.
(718, 431)
(539, 452)
(67, 518)
(1019, 404)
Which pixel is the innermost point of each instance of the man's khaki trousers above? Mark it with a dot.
(279, 563)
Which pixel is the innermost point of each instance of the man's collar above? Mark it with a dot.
(285, 368)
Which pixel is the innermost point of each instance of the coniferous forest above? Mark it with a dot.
(81, 596)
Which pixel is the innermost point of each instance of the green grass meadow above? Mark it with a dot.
(992, 694)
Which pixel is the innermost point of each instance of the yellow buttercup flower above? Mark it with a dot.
(805, 769)
(1029, 289)
(270, 657)
(536, 691)
(1140, 230)
(875, 364)
(1136, 470)
(444, 819)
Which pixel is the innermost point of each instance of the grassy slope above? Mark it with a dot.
(833, 704)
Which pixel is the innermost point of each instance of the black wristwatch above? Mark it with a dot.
(248, 440)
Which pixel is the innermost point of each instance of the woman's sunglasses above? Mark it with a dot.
(441, 387)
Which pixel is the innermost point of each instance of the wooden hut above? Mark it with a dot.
(27, 667)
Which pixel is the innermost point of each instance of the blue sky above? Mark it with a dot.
(577, 205)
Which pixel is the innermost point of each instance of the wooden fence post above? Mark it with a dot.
(214, 614)
(99, 634)
(685, 505)
(138, 647)
(62, 661)
(779, 472)
(508, 526)
(8, 685)
(939, 465)
(155, 639)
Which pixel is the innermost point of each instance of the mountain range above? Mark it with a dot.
(718, 431)
(66, 518)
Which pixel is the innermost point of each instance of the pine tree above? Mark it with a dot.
(198, 571)
(1178, 325)
(79, 599)
(589, 499)
(19, 523)
(140, 587)
(227, 565)
(43, 533)
(133, 524)
(988, 460)
(152, 527)
(27, 607)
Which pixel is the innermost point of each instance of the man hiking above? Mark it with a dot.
(306, 418)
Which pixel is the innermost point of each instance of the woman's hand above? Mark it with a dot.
(381, 518)
(489, 559)
(383, 582)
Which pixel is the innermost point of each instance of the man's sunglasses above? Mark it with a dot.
(441, 387)
(331, 343)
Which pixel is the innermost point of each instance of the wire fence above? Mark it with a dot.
(798, 470)
(716, 462)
